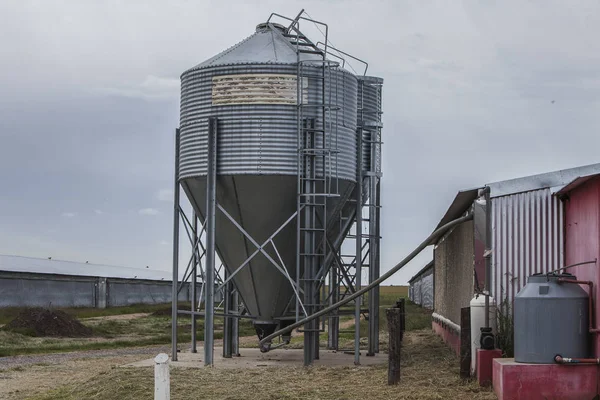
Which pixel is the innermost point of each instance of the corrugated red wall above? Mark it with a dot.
(582, 238)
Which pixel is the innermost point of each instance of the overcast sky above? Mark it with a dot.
(474, 92)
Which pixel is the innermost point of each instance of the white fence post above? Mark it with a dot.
(162, 379)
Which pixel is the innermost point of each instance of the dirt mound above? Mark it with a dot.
(46, 322)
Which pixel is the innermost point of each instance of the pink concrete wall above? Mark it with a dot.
(582, 239)
(450, 337)
(519, 381)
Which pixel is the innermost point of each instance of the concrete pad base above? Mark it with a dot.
(518, 381)
(253, 358)
(484, 365)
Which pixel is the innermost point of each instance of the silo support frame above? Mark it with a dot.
(194, 267)
(260, 248)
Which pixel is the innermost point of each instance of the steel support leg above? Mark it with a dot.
(175, 253)
(334, 320)
(227, 321)
(235, 326)
(316, 335)
(194, 279)
(211, 206)
(377, 258)
(373, 338)
(358, 262)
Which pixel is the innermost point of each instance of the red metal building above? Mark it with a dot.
(581, 200)
(539, 224)
(527, 238)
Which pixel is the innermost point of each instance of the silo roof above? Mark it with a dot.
(11, 263)
(265, 46)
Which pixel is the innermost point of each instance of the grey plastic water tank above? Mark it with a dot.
(550, 318)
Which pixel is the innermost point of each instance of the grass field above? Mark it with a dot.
(143, 330)
(429, 368)
(9, 313)
(429, 371)
(156, 329)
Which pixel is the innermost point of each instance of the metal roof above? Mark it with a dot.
(59, 267)
(542, 181)
(265, 46)
(459, 206)
(424, 270)
(580, 180)
(556, 180)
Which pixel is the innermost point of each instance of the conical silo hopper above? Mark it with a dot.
(251, 88)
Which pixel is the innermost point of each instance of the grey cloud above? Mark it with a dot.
(148, 211)
(152, 88)
(165, 195)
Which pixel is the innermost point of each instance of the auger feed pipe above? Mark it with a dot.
(264, 343)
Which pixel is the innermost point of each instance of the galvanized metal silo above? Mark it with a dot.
(269, 153)
(252, 91)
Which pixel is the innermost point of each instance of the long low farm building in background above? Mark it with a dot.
(420, 290)
(36, 282)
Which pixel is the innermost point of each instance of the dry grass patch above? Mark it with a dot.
(430, 371)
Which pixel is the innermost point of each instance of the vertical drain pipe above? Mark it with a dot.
(488, 253)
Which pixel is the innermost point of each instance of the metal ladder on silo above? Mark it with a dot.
(317, 163)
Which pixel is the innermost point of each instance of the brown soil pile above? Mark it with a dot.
(46, 322)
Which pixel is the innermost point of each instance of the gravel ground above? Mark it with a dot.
(57, 358)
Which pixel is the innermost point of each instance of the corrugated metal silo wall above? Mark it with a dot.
(527, 239)
(453, 274)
